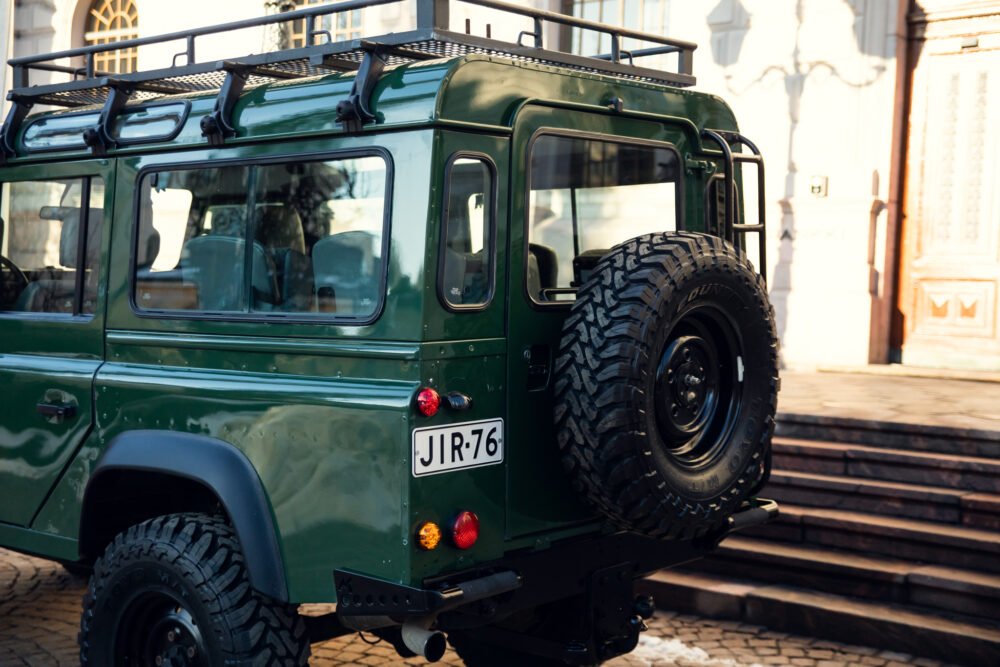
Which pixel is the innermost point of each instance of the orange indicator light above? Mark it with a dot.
(428, 535)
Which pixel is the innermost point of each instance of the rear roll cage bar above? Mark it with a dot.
(723, 139)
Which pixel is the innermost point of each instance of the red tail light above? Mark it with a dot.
(465, 530)
(428, 402)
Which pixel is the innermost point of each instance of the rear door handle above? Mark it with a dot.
(56, 410)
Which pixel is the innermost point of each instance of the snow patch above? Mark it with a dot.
(656, 651)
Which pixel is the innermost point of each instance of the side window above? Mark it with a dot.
(586, 196)
(50, 245)
(290, 238)
(468, 253)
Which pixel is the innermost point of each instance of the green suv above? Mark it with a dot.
(455, 332)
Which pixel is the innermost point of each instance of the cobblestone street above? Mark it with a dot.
(39, 608)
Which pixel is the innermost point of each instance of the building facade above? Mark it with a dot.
(874, 117)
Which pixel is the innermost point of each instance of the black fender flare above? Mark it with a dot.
(214, 464)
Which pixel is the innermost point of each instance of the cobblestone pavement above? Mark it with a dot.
(40, 606)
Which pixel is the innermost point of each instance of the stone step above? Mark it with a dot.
(966, 473)
(892, 435)
(914, 501)
(895, 537)
(981, 510)
(844, 573)
(828, 616)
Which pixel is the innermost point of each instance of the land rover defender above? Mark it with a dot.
(458, 333)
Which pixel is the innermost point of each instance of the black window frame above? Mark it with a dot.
(83, 232)
(679, 197)
(267, 317)
(490, 211)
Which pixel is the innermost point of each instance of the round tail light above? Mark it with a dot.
(428, 402)
(465, 530)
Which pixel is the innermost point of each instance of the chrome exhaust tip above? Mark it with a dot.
(431, 644)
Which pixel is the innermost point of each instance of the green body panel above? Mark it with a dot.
(46, 359)
(324, 411)
(536, 465)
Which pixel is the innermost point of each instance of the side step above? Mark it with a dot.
(828, 616)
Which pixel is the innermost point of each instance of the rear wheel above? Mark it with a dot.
(175, 591)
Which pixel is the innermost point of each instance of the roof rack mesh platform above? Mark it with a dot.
(431, 39)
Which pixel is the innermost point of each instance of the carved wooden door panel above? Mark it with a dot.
(951, 253)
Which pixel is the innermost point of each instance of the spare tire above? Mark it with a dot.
(666, 384)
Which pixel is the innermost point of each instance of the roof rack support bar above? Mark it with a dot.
(433, 14)
(355, 111)
(11, 126)
(20, 78)
(99, 137)
(685, 61)
(218, 125)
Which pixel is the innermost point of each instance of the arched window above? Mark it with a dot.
(113, 21)
(341, 26)
(644, 15)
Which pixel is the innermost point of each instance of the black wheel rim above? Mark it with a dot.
(156, 630)
(698, 385)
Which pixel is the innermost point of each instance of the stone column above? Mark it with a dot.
(34, 32)
(6, 38)
(279, 36)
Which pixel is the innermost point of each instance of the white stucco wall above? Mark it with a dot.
(6, 42)
(811, 81)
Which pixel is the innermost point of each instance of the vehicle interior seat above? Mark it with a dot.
(214, 264)
(347, 269)
(57, 294)
(543, 269)
(585, 263)
(279, 231)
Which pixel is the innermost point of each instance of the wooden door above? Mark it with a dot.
(951, 236)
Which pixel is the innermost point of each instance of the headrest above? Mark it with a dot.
(69, 239)
(228, 221)
(280, 226)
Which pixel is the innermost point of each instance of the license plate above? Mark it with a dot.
(457, 447)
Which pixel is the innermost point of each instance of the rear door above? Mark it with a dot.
(576, 192)
(53, 230)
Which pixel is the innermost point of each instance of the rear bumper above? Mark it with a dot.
(524, 580)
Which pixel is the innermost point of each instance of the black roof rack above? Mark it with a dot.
(431, 39)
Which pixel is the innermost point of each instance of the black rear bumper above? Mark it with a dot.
(524, 580)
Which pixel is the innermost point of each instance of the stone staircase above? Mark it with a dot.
(889, 536)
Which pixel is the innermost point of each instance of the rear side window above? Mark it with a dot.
(586, 196)
(468, 254)
(302, 238)
(50, 246)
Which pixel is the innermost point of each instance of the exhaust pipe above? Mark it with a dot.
(431, 644)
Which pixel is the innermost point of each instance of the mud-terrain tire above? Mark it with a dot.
(666, 384)
(177, 587)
